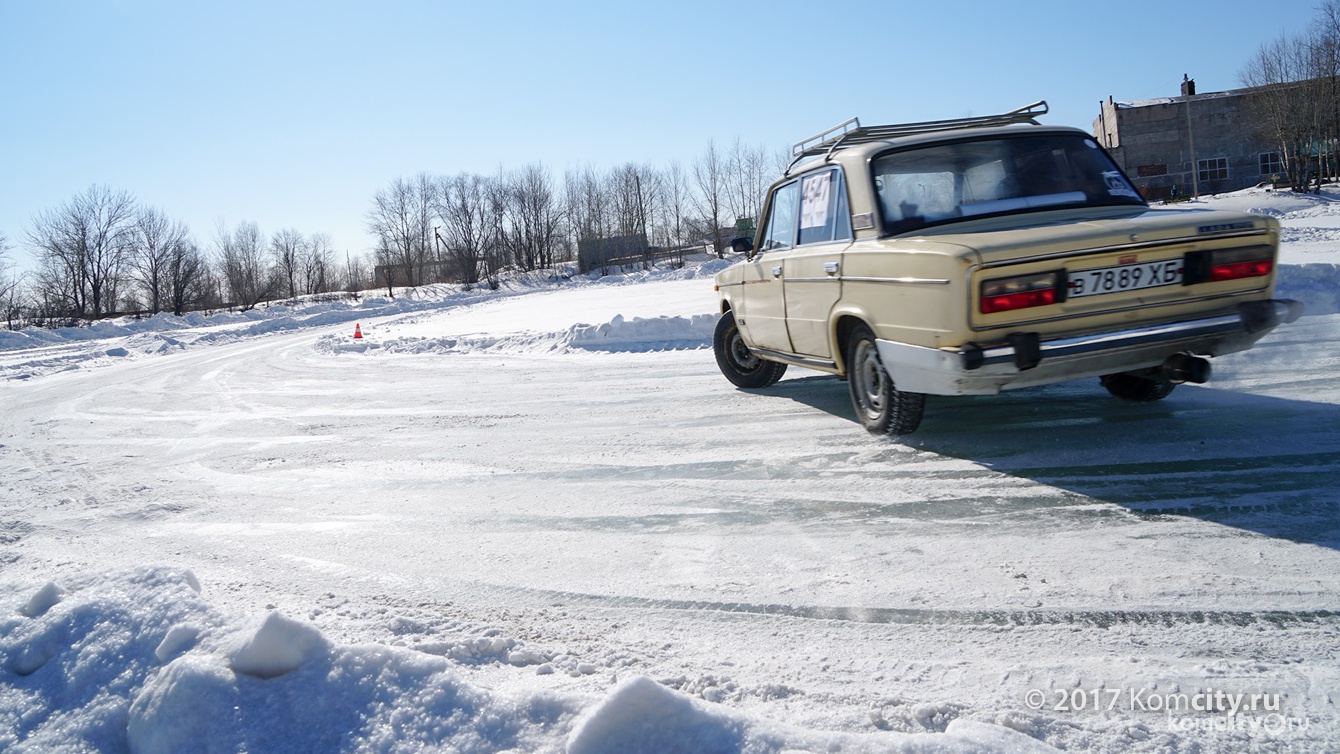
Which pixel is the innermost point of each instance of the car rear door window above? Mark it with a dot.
(824, 215)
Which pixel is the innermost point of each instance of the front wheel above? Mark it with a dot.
(880, 406)
(741, 366)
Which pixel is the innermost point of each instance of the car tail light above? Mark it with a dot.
(1022, 292)
(1228, 264)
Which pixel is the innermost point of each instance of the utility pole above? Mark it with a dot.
(1191, 140)
(1189, 91)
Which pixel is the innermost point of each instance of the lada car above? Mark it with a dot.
(976, 255)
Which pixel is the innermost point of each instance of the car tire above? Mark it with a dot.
(1137, 389)
(880, 406)
(742, 367)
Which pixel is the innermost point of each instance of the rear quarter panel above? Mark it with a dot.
(911, 291)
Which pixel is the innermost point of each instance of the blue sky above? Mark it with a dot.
(292, 114)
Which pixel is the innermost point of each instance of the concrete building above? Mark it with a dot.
(1192, 143)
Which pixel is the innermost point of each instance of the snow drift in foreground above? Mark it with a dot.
(139, 661)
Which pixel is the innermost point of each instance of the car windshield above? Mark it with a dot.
(968, 179)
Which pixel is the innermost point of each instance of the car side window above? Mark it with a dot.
(842, 214)
(824, 215)
(782, 219)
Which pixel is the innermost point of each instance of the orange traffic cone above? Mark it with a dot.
(358, 332)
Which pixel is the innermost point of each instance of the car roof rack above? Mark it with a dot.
(850, 132)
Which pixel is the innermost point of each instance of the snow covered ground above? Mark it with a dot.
(538, 519)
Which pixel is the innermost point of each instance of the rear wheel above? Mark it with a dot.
(880, 406)
(1136, 388)
(741, 366)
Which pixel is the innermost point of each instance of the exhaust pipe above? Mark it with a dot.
(1183, 367)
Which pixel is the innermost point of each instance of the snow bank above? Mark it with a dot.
(650, 334)
(34, 351)
(641, 715)
(619, 334)
(1262, 200)
(139, 662)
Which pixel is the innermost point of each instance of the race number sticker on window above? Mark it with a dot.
(1117, 186)
(814, 191)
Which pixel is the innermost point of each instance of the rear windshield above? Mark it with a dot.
(964, 180)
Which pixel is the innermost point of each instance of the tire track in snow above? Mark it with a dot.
(948, 616)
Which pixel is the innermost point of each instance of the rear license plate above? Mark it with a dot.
(1126, 277)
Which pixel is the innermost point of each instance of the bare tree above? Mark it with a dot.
(247, 277)
(402, 219)
(190, 282)
(356, 275)
(385, 266)
(155, 242)
(636, 196)
(533, 218)
(1296, 108)
(468, 230)
(287, 248)
(747, 178)
(10, 285)
(709, 175)
(589, 217)
(82, 247)
(318, 265)
(495, 252)
(675, 205)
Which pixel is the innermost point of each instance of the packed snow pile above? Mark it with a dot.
(140, 662)
(659, 333)
(619, 334)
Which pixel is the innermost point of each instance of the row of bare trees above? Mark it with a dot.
(252, 269)
(468, 227)
(10, 302)
(1298, 107)
(102, 252)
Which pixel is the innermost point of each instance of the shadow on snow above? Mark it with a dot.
(1262, 464)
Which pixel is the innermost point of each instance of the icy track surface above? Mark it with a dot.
(539, 519)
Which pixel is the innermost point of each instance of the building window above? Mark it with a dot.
(1272, 164)
(1215, 169)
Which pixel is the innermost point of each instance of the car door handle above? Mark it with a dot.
(831, 268)
(777, 271)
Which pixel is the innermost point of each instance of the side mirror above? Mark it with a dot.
(742, 245)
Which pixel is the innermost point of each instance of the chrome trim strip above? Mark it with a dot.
(813, 280)
(803, 361)
(729, 285)
(1120, 248)
(901, 281)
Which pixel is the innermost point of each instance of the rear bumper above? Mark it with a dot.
(1026, 360)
